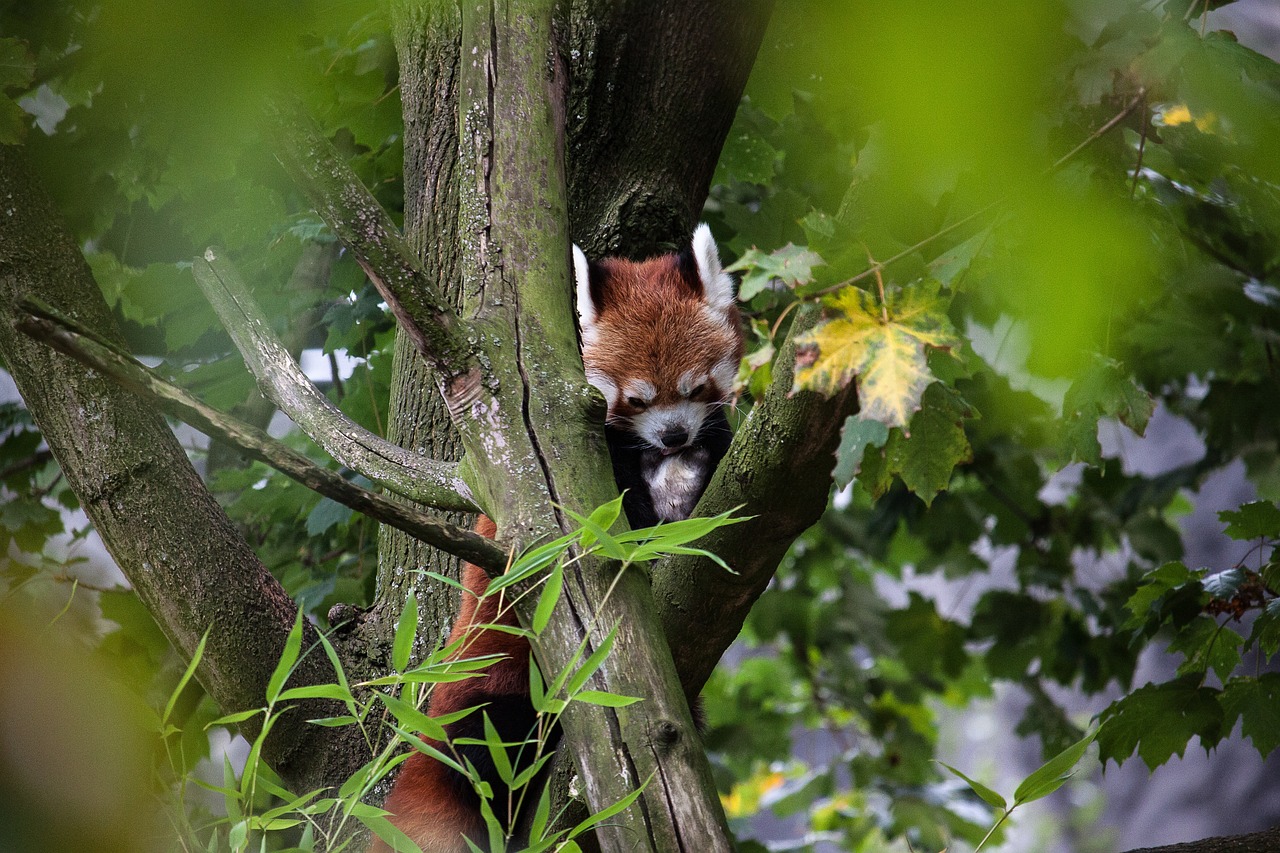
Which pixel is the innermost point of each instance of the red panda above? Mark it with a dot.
(661, 341)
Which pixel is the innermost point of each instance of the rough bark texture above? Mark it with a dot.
(178, 549)
(427, 38)
(1267, 841)
(310, 274)
(656, 84)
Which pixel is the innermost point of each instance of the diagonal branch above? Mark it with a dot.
(281, 379)
(45, 324)
(779, 471)
(364, 227)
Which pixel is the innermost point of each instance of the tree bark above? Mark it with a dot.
(169, 537)
(427, 37)
(1267, 841)
(656, 84)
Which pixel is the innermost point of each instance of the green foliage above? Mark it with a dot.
(259, 813)
(1008, 283)
(1099, 256)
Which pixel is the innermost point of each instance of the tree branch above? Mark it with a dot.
(364, 227)
(779, 470)
(389, 465)
(51, 327)
(181, 554)
(1267, 841)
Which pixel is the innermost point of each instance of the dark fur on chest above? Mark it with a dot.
(647, 476)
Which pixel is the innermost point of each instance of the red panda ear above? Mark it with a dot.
(582, 281)
(717, 285)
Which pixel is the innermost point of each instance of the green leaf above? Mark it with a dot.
(541, 815)
(1103, 390)
(1053, 773)
(190, 671)
(856, 436)
(334, 722)
(954, 262)
(617, 808)
(595, 529)
(13, 121)
(1158, 721)
(592, 664)
(746, 157)
(925, 457)
(17, 65)
(406, 632)
(325, 515)
(317, 691)
(988, 796)
(608, 700)
(1225, 584)
(498, 752)
(1256, 702)
(387, 831)
(1252, 520)
(412, 719)
(1146, 602)
(288, 657)
(237, 717)
(1266, 629)
(1207, 645)
(548, 599)
(792, 266)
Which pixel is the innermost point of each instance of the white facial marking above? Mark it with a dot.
(688, 382)
(641, 390)
(601, 381)
(651, 424)
(724, 373)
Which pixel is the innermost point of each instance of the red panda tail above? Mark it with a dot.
(432, 804)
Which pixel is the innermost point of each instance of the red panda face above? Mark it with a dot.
(660, 340)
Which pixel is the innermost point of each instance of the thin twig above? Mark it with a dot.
(1142, 147)
(392, 467)
(960, 223)
(44, 324)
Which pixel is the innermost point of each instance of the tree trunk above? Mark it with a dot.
(179, 551)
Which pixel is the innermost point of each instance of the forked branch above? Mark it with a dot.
(364, 227)
(64, 335)
(281, 379)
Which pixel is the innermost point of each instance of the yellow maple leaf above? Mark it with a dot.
(884, 348)
(1181, 114)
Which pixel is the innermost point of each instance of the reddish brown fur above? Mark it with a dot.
(423, 802)
(653, 325)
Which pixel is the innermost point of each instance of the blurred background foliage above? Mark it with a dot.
(1083, 193)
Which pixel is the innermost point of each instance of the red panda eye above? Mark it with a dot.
(637, 403)
(696, 391)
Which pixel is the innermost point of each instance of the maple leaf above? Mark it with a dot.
(792, 265)
(884, 347)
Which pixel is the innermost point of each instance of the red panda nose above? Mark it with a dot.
(674, 438)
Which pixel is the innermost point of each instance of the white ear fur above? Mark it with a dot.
(582, 278)
(716, 283)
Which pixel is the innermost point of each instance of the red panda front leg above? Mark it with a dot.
(431, 803)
